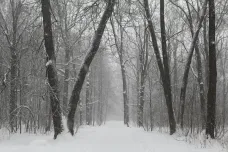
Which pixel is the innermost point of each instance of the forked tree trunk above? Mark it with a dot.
(211, 96)
(163, 66)
(85, 66)
(187, 66)
(51, 69)
(166, 72)
(200, 72)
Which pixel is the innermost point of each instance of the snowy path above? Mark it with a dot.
(112, 137)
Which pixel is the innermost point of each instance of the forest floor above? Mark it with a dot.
(112, 137)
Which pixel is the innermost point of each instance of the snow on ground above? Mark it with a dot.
(112, 137)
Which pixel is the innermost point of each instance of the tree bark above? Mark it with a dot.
(88, 104)
(201, 89)
(143, 63)
(63, 27)
(51, 68)
(189, 60)
(211, 96)
(163, 66)
(120, 52)
(16, 10)
(124, 79)
(13, 89)
(66, 81)
(85, 66)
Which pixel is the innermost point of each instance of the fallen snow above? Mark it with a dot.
(112, 137)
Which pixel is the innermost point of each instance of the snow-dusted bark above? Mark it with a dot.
(188, 63)
(162, 65)
(143, 64)
(16, 12)
(88, 104)
(51, 68)
(86, 63)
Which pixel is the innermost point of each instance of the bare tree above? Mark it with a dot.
(189, 59)
(51, 68)
(120, 51)
(86, 63)
(162, 64)
(211, 96)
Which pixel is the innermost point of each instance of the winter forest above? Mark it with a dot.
(113, 75)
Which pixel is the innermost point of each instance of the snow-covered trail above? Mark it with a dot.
(112, 137)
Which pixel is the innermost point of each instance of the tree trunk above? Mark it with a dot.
(211, 96)
(63, 26)
(125, 97)
(143, 61)
(199, 70)
(205, 40)
(175, 79)
(201, 89)
(85, 66)
(88, 104)
(120, 52)
(16, 10)
(66, 81)
(189, 60)
(165, 75)
(51, 69)
(141, 103)
(13, 89)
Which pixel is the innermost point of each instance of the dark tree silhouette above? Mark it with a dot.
(189, 60)
(85, 66)
(162, 64)
(51, 68)
(211, 96)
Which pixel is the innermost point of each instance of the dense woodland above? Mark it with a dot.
(154, 63)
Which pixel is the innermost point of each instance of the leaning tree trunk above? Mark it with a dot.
(211, 96)
(200, 72)
(120, 52)
(166, 73)
(187, 66)
(85, 66)
(51, 68)
(163, 66)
